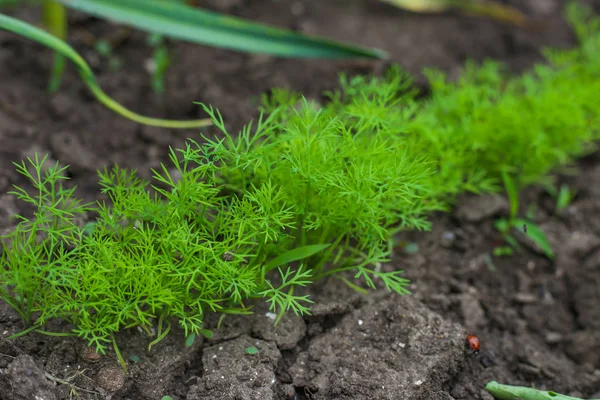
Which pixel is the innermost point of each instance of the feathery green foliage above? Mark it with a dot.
(206, 234)
(306, 192)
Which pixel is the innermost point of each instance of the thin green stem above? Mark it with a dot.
(55, 19)
(119, 356)
(87, 75)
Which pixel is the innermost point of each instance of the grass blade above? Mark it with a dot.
(296, 254)
(31, 32)
(536, 235)
(183, 22)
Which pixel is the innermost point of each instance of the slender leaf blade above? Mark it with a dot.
(183, 22)
(38, 35)
(296, 254)
(537, 236)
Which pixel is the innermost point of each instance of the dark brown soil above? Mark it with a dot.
(538, 321)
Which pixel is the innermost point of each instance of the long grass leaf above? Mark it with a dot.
(183, 22)
(296, 254)
(31, 32)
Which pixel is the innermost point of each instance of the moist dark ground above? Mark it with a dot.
(538, 320)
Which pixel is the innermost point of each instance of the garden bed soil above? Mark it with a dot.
(538, 320)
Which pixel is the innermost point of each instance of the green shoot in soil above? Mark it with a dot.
(160, 62)
(507, 392)
(563, 196)
(505, 226)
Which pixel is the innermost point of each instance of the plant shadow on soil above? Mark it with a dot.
(539, 321)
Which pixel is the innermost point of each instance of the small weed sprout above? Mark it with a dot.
(564, 197)
(505, 225)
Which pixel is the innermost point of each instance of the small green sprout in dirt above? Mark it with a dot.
(563, 196)
(508, 392)
(160, 62)
(105, 49)
(506, 225)
(251, 350)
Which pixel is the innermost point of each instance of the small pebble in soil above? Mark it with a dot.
(448, 238)
(478, 208)
(271, 315)
(486, 361)
(525, 298)
(110, 378)
(90, 355)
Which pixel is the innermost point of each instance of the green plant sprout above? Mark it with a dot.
(504, 225)
(251, 350)
(104, 49)
(160, 62)
(507, 392)
(563, 196)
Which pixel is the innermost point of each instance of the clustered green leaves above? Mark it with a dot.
(305, 193)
